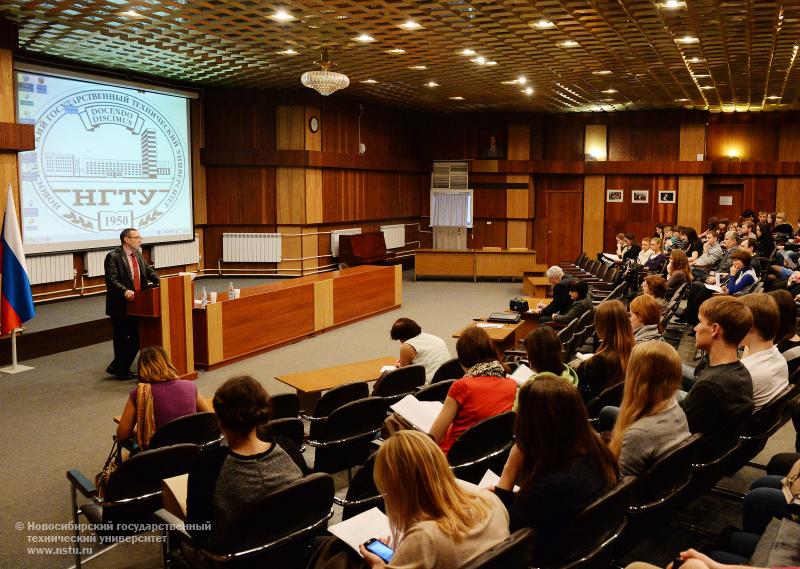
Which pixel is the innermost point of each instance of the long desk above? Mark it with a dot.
(310, 384)
(472, 263)
(508, 336)
(268, 316)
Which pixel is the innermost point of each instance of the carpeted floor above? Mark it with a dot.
(59, 416)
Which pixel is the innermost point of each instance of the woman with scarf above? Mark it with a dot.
(483, 392)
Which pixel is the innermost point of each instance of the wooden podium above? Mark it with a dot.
(165, 319)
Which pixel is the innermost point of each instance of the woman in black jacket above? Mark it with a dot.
(765, 244)
(581, 302)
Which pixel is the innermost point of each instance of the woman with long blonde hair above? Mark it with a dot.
(607, 366)
(159, 398)
(650, 420)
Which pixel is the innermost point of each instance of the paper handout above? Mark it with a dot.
(420, 414)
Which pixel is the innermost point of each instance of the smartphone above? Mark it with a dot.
(380, 549)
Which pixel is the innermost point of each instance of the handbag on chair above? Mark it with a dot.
(112, 463)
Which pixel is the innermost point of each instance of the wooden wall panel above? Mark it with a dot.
(239, 119)
(313, 195)
(290, 188)
(639, 219)
(291, 248)
(562, 140)
(518, 202)
(313, 140)
(787, 197)
(290, 127)
(692, 141)
(359, 195)
(487, 233)
(8, 112)
(519, 142)
(751, 141)
(200, 201)
(517, 233)
(212, 244)
(690, 201)
(596, 142)
(229, 188)
(643, 142)
(594, 194)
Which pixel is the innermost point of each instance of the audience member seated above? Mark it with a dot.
(483, 392)
(722, 396)
(645, 318)
(669, 239)
(435, 521)
(693, 559)
(657, 258)
(708, 261)
(607, 366)
(768, 368)
(559, 461)
(742, 275)
(622, 248)
(561, 297)
(782, 226)
(545, 355)
(786, 336)
(226, 479)
(678, 272)
(645, 253)
(650, 420)
(747, 230)
(159, 398)
(694, 247)
(656, 287)
(765, 244)
(418, 347)
(633, 249)
(581, 302)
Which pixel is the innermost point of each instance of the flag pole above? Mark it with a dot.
(14, 367)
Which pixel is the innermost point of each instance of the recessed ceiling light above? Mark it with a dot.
(490, 63)
(132, 14)
(313, 27)
(522, 79)
(411, 25)
(364, 38)
(456, 98)
(687, 39)
(528, 90)
(289, 51)
(543, 24)
(707, 87)
(395, 50)
(468, 52)
(480, 60)
(681, 100)
(774, 97)
(694, 60)
(610, 91)
(340, 17)
(568, 43)
(369, 81)
(418, 67)
(672, 4)
(602, 72)
(431, 84)
(282, 16)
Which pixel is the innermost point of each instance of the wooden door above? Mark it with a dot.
(722, 200)
(564, 226)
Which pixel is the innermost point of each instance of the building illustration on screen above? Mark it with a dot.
(105, 159)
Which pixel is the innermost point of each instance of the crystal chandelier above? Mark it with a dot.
(326, 81)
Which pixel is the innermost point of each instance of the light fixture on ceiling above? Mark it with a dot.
(707, 87)
(701, 75)
(610, 91)
(289, 51)
(369, 81)
(490, 63)
(480, 60)
(325, 81)
(569, 43)
(418, 67)
(602, 72)
(132, 14)
(528, 90)
(411, 25)
(395, 50)
(694, 60)
(681, 100)
(468, 52)
(364, 38)
(687, 40)
(282, 16)
(522, 79)
(542, 24)
(774, 97)
(431, 84)
(456, 98)
(671, 4)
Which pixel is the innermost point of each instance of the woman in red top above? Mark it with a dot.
(483, 392)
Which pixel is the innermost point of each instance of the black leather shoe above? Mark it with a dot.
(128, 374)
(111, 371)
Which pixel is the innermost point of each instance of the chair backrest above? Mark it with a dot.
(362, 494)
(610, 396)
(198, 428)
(678, 294)
(400, 382)
(451, 369)
(143, 472)
(512, 553)
(667, 476)
(285, 405)
(338, 396)
(285, 512)
(484, 445)
(289, 427)
(434, 391)
(345, 438)
(594, 527)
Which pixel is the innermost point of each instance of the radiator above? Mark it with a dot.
(251, 247)
(93, 261)
(176, 254)
(50, 268)
(335, 238)
(394, 235)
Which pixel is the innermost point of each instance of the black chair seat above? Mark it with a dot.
(484, 445)
(513, 553)
(451, 369)
(435, 391)
(398, 383)
(332, 400)
(291, 428)
(199, 428)
(284, 406)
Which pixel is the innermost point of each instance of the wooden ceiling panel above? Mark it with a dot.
(626, 54)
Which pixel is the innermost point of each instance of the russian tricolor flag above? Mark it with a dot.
(16, 300)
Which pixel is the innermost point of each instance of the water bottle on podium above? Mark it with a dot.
(203, 298)
(230, 290)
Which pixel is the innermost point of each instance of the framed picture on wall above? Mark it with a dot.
(666, 196)
(640, 196)
(615, 196)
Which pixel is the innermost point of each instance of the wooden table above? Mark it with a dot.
(311, 384)
(510, 335)
(472, 263)
(536, 286)
(271, 315)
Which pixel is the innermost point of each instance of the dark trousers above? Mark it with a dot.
(697, 295)
(126, 342)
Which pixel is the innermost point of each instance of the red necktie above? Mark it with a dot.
(137, 282)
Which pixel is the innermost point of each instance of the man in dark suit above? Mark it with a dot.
(561, 298)
(126, 275)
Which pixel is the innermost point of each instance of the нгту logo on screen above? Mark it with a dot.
(108, 160)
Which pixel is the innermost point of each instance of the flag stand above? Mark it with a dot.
(14, 367)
